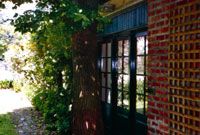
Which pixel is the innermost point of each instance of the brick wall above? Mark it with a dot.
(158, 14)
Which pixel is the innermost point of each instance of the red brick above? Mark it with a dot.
(165, 128)
(151, 103)
(165, 100)
(156, 98)
(165, 29)
(160, 105)
(154, 123)
(150, 116)
(162, 37)
(155, 111)
(154, 84)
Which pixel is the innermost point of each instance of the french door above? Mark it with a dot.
(123, 62)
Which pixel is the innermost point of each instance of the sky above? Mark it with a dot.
(8, 13)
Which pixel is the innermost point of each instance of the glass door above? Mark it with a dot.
(123, 71)
(123, 74)
(141, 84)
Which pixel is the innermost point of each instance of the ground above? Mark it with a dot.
(17, 111)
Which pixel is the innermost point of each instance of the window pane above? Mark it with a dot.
(119, 65)
(126, 82)
(103, 65)
(126, 48)
(120, 48)
(119, 82)
(126, 65)
(109, 65)
(140, 104)
(103, 94)
(103, 80)
(109, 80)
(140, 45)
(140, 84)
(126, 100)
(140, 65)
(103, 50)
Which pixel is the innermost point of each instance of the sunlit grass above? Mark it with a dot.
(6, 125)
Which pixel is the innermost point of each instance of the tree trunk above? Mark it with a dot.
(86, 106)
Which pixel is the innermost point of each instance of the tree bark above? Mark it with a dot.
(86, 107)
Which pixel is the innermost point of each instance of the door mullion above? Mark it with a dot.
(132, 89)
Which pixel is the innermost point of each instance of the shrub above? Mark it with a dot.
(16, 86)
(6, 84)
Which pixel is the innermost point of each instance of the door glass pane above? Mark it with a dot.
(126, 65)
(103, 94)
(147, 46)
(126, 48)
(140, 104)
(126, 99)
(109, 50)
(109, 65)
(109, 80)
(103, 50)
(119, 82)
(126, 82)
(140, 45)
(103, 65)
(120, 48)
(109, 96)
(103, 80)
(140, 65)
(140, 84)
(119, 65)
(119, 99)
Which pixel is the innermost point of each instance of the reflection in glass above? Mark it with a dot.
(119, 100)
(126, 65)
(103, 50)
(109, 80)
(147, 46)
(103, 65)
(120, 48)
(140, 65)
(103, 94)
(119, 82)
(119, 65)
(109, 50)
(140, 84)
(126, 48)
(140, 104)
(103, 80)
(126, 82)
(109, 96)
(126, 100)
(108, 64)
(140, 45)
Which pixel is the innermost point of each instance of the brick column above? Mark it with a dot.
(158, 15)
